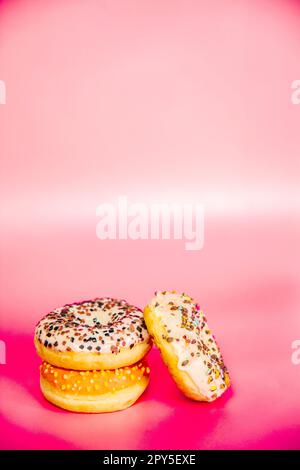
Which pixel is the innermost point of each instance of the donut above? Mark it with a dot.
(97, 391)
(179, 329)
(95, 334)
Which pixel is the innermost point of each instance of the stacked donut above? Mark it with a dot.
(93, 355)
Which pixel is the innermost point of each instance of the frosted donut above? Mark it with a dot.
(93, 391)
(188, 348)
(95, 334)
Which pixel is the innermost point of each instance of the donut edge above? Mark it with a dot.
(92, 361)
(104, 403)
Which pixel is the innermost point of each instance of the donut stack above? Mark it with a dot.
(93, 355)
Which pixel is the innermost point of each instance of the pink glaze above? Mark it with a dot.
(159, 101)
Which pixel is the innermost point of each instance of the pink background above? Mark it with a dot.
(161, 101)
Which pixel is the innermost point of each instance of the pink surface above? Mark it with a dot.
(159, 101)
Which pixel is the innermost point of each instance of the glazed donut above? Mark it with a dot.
(93, 391)
(95, 334)
(188, 348)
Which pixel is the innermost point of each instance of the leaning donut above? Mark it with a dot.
(180, 331)
(96, 334)
(93, 391)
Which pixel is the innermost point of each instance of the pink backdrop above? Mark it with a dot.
(160, 101)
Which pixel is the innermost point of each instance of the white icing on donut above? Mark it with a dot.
(99, 326)
(195, 346)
